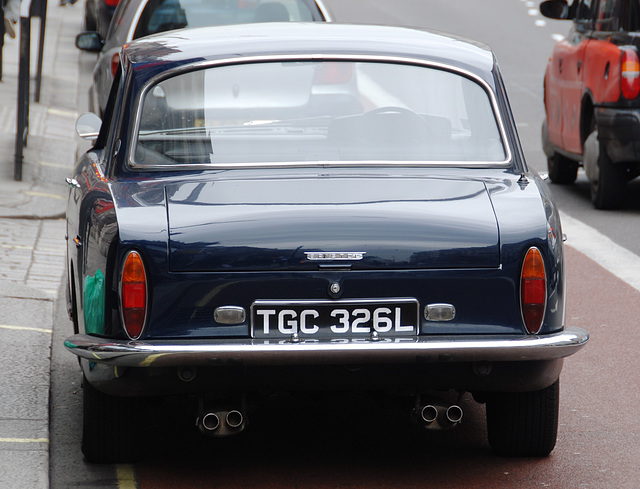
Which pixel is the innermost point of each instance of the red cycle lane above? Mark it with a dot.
(348, 441)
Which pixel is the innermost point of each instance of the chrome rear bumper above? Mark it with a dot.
(169, 353)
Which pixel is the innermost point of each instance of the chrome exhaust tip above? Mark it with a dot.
(234, 419)
(429, 413)
(438, 415)
(221, 422)
(454, 414)
(208, 422)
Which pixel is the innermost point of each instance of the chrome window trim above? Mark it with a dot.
(136, 20)
(506, 163)
(324, 10)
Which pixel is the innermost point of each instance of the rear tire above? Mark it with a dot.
(111, 427)
(523, 424)
(608, 184)
(562, 170)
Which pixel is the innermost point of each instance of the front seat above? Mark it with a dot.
(272, 12)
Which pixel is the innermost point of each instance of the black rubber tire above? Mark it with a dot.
(523, 424)
(111, 431)
(608, 188)
(562, 170)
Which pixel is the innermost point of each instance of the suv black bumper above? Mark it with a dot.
(619, 132)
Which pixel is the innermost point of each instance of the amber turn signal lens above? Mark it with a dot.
(533, 290)
(133, 295)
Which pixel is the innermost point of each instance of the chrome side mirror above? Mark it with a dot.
(88, 126)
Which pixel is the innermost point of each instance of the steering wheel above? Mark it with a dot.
(399, 122)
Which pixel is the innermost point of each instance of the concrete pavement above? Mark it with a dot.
(32, 244)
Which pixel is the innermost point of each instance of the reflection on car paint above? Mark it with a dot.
(93, 296)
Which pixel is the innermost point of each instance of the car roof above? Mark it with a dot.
(152, 55)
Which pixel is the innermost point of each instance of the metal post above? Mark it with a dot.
(2, 33)
(40, 10)
(22, 129)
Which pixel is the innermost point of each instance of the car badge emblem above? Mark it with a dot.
(334, 255)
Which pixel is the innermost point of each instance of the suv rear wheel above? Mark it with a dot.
(562, 170)
(607, 182)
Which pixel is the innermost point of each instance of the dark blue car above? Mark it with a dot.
(272, 207)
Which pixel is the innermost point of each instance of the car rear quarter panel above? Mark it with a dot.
(92, 232)
(602, 71)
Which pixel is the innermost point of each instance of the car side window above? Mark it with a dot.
(117, 17)
(107, 116)
(631, 16)
(585, 14)
(108, 133)
(606, 18)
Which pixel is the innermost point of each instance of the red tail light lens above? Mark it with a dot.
(133, 295)
(115, 61)
(533, 290)
(630, 76)
(111, 3)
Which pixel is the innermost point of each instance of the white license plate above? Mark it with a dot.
(334, 319)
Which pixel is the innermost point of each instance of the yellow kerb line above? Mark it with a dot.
(26, 328)
(126, 477)
(43, 194)
(24, 440)
(62, 112)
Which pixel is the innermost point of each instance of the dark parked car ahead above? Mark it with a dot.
(591, 96)
(312, 206)
(98, 14)
(138, 18)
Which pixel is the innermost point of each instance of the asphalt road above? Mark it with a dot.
(316, 443)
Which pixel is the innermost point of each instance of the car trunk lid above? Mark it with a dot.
(322, 223)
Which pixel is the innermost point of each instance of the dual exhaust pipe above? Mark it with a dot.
(226, 422)
(435, 416)
(221, 422)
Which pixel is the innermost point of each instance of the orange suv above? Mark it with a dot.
(591, 88)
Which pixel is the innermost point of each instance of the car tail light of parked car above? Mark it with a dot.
(533, 290)
(133, 294)
(630, 67)
(115, 61)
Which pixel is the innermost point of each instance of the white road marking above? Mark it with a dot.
(616, 259)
